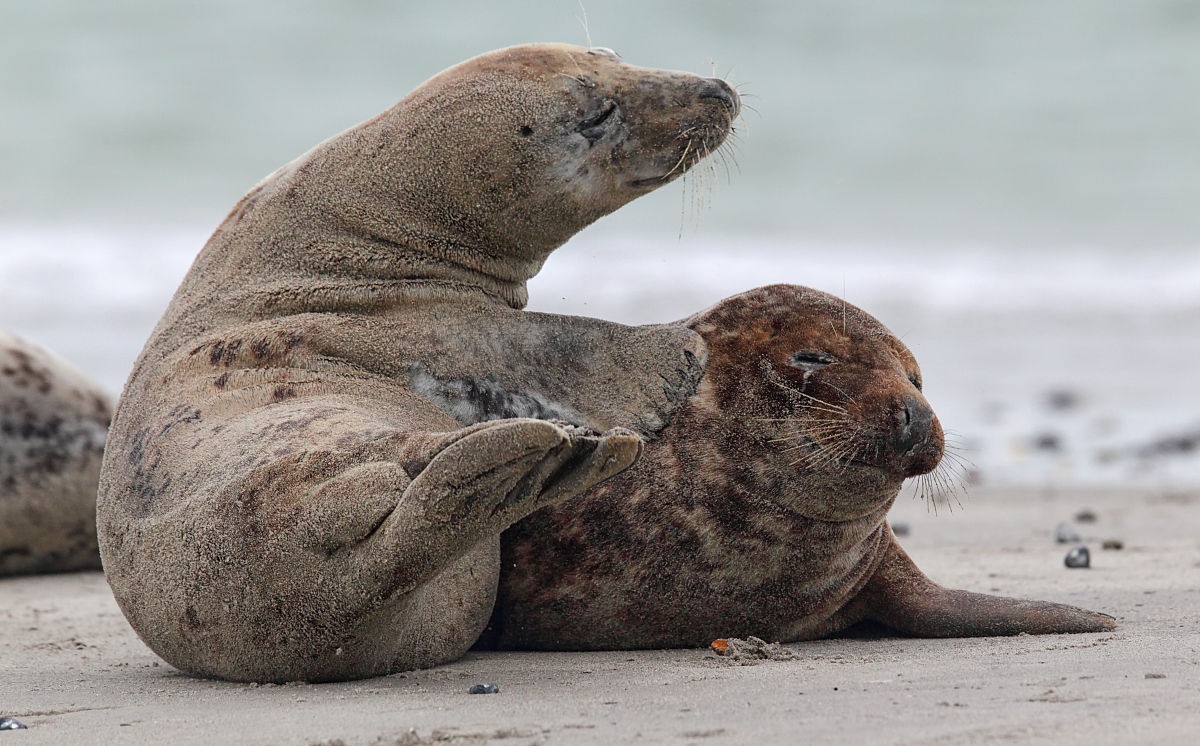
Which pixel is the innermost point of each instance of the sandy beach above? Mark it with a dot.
(75, 673)
(1010, 187)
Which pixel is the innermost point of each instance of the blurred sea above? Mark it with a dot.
(1012, 186)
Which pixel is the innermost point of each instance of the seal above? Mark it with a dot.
(344, 404)
(53, 424)
(761, 510)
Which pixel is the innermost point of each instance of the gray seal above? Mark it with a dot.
(761, 510)
(53, 425)
(344, 404)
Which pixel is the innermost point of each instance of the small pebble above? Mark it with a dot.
(484, 689)
(1112, 544)
(1048, 442)
(1078, 557)
(900, 528)
(1085, 516)
(12, 724)
(1065, 533)
(1061, 400)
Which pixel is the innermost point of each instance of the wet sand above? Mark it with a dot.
(75, 673)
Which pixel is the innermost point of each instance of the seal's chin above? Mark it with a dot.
(922, 460)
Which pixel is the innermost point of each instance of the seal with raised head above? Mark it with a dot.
(760, 511)
(344, 406)
(53, 424)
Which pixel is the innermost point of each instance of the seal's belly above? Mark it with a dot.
(592, 574)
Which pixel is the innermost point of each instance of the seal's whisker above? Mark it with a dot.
(747, 106)
(587, 32)
(830, 432)
(839, 425)
(849, 399)
(943, 485)
(838, 413)
(944, 489)
(687, 149)
(958, 460)
(823, 404)
(836, 453)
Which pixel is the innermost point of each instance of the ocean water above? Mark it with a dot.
(1013, 187)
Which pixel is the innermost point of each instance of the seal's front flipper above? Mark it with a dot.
(482, 364)
(901, 597)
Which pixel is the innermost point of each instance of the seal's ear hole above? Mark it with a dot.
(811, 360)
(526, 131)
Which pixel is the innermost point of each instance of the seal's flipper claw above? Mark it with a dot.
(901, 597)
(501, 472)
(601, 457)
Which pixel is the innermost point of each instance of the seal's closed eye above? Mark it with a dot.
(811, 360)
(915, 380)
(594, 126)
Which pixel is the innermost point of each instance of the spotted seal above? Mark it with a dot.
(760, 511)
(53, 424)
(344, 404)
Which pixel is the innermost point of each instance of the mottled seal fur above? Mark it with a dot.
(53, 424)
(761, 509)
(344, 405)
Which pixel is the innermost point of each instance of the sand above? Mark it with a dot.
(75, 673)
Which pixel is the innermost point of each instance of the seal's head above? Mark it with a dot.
(828, 400)
(549, 137)
(470, 181)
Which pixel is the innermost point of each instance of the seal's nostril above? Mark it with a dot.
(718, 89)
(914, 419)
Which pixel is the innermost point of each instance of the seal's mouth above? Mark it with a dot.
(696, 142)
(653, 181)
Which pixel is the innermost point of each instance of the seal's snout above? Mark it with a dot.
(916, 436)
(914, 419)
(715, 88)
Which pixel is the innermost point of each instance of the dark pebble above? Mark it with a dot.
(1085, 516)
(12, 724)
(1112, 544)
(1172, 445)
(1061, 400)
(1048, 442)
(900, 528)
(1078, 557)
(484, 689)
(1065, 533)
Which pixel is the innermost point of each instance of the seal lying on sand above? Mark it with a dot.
(53, 424)
(343, 406)
(761, 509)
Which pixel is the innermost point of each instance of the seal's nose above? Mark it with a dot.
(914, 418)
(720, 90)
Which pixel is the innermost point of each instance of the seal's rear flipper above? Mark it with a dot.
(483, 482)
(901, 597)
